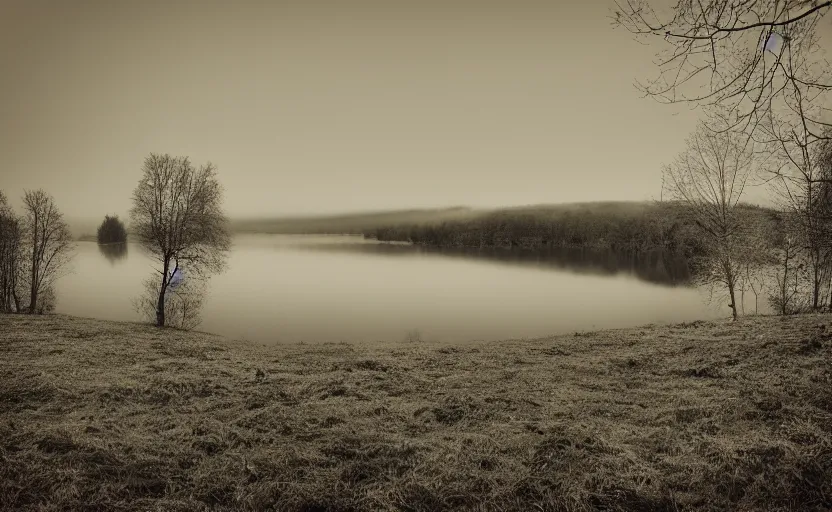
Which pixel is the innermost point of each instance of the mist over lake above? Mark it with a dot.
(289, 288)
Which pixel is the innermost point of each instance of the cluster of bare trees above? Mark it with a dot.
(788, 261)
(176, 216)
(35, 249)
(805, 244)
(710, 177)
(756, 70)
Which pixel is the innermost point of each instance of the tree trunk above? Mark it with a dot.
(816, 284)
(33, 300)
(742, 298)
(733, 302)
(5, 303)
(731, 285)
(783, 296)
(160, 304)
(33, 288)
(829, 304)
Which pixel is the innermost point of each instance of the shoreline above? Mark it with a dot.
(697, 416)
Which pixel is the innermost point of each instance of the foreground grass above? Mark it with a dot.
(98, 415)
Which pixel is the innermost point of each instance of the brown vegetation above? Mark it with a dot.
(701, 416)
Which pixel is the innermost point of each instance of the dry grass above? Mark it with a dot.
(99, 415)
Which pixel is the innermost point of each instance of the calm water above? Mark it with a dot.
(282, 288)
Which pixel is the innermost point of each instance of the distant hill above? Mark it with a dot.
(602, 223)
(83, 229)
(352, 223)
(368, 222)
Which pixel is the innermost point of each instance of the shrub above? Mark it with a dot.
(46, 301)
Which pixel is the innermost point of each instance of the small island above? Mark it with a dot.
(111, 231)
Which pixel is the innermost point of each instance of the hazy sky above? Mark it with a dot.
(312, 107)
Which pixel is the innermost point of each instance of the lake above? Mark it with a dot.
(288, 288)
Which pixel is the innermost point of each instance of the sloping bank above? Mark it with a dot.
(99, 415)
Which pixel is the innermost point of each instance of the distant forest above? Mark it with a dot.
(619, 227)
(624, 228)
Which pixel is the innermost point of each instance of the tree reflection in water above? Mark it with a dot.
(113, 252)
(655, 267)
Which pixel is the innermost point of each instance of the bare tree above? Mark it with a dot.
(47, 244)
(177, 216)
(709, 177)
(741, 56)
(10, 240)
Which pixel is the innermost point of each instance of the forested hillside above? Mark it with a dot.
(620, 227)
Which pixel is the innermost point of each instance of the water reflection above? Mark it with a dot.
(656, 267)
(338, 288)
(113, 252)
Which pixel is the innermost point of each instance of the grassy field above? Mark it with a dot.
(98, 415)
